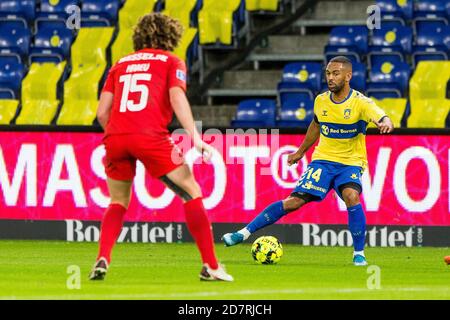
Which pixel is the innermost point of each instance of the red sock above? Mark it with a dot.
(198, 224)
(111, 226)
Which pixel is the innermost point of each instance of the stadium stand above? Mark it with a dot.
(81, 90)
(429, 104)
(401, 64)
(255, 113)
(220, 21)
(39, 93)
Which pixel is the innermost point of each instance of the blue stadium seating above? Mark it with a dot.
(358, 80)
(11, 74)
(51, 41)
(386, 56)
(398, 38)
(390, 42)
(389, 77)
(432, 41)
(431, 8)
(60, 6)
(307, 75)
(24, 9)
(14, 39)
(347, 40)
(392, 8)
(296, 111)
(99, 12)
(255, 113)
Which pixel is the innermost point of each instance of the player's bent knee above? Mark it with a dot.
(351, 197)
(293, 203)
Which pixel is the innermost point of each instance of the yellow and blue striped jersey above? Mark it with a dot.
(343, 127)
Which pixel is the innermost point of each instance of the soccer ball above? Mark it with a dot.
(267, 250)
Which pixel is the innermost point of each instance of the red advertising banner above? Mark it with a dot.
(58, 176)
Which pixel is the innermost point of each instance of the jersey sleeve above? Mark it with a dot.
(109, 83)
(177, 74)
(371, 112)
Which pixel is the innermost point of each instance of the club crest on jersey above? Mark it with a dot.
(347, 113)
(181, 75)
(324, 113)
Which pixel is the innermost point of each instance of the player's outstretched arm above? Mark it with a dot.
(385, 125)
(311, 137)
(182, 109)
(104, 108)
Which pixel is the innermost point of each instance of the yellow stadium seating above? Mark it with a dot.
(265, 5)
(180, 10)
(185, 42)
(39, 93)
(429, 106)
(429, 113)
(429, 80)
(88, 67)
(216, 21)
(134, 9)
(394, 108)
(123, 44)
(8, 109)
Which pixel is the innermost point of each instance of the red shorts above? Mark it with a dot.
(158, 154)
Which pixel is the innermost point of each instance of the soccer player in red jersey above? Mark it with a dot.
(140, 95)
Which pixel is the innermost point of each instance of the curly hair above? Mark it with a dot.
(157, 31)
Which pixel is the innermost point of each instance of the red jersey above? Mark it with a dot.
(140, 83)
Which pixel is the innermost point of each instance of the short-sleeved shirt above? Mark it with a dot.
(343, 127)
(140, 83)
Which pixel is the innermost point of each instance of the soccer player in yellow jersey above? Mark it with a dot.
(341, 116)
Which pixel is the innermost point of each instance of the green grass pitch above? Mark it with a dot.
(39, 270)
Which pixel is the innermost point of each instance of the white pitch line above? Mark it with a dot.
(224, 293)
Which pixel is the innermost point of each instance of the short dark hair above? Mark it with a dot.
(341, 59)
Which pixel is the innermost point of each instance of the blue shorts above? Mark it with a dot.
(321, 176)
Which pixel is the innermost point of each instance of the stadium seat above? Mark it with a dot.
(11, 74)
(358, 80)
(15, 39)
(99, 12)
(39, 93)
(394, 108)
(132, 10)
(347, 40)
(428, 89)
(8, 108)
(432, 39)
(123, 45)
(396, 8)
(431, 8)
(216, 21)
(181, 10)
(428, 113)
(187, 48)
(389, 77)
(262, 5)
(81, 90)
(305, 75)
(24, 9)
(391, 41)
(255, 113)
(296, 111)
(52, 40)
(57, 7)
(429, 80)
